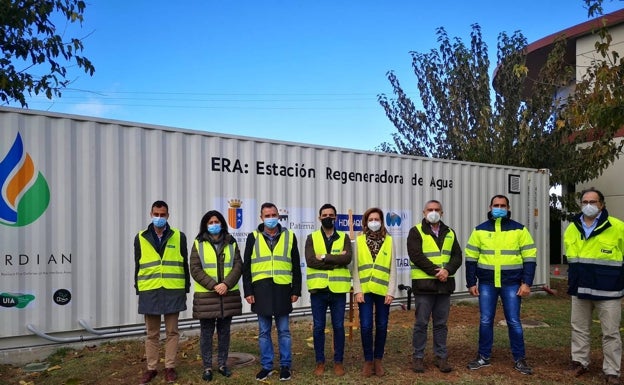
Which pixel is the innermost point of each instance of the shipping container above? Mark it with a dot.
(76, 190)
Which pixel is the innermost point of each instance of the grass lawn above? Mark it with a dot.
(548, 350)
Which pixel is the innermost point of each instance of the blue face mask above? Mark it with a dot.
(270, 223)
(497, 212)
(159, 222)
(214, 228)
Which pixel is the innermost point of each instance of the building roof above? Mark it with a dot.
(537, 52)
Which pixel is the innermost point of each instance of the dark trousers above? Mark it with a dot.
(436, 307)
(207, 327)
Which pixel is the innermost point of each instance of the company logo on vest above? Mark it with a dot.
(25, 193)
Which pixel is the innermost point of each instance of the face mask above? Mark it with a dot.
(270, 223)
(433, 217)
(327, 223)
(374, 225)
(214, 228)
(159, 221)
(590, 211)
(497, 212)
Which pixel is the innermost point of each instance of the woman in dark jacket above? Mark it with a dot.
(216, 267)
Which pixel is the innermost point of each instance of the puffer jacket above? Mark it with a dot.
(210, 304)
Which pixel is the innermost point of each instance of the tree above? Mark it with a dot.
(459, 120)
(34, 55)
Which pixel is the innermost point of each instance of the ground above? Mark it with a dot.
(122, 362)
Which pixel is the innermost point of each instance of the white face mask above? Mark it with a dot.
(590, 211)
(433, 217)
(374, 225)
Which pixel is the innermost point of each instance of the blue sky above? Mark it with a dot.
(300, 71)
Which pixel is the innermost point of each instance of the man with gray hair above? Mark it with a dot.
(594, 244)
(435, 256)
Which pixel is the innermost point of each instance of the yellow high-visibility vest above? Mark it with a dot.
(338, 279)
(208, 259)
(430, 250)
(374, 275)
(156, 272)
(276, 264)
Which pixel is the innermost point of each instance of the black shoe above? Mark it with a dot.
(225, 371)
(284, 373)
(207, 376)
(522, 367)
(478, 363)
(263, 374)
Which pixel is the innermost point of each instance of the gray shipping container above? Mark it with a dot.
(76, 190)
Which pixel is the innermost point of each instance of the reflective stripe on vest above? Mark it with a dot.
(491, 249)
(275, 264)
(156, 272)
(338, 279)
(374, 275)
(208, 259)
(430, 250)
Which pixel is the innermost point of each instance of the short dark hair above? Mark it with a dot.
(592, 189)
(327, 206)
(499, 197)
(160, 204)
(267, 205)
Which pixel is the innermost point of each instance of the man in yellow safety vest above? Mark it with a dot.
(272, 282)
(435, 256)
(161, 279)
(328, 255)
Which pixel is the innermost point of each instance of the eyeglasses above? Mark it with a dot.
(589, 202)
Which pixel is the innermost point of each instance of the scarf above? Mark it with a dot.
(374, 239)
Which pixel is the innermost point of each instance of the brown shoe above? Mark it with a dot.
(339, 370)
(148, 376)
(611, 379)
(170, 375)
(320, 369)
(418, 365)
(367, 369)
(442, 364)
(577, 369)
(379, 370)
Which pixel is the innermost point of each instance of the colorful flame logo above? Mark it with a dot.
(25, 193)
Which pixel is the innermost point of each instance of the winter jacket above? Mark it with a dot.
(210, 304)
(271, 299)
(595, 263)
(161, 300)
(500, 252)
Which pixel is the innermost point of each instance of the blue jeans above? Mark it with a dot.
(366, 325)
(266, 344)
(488, 297)
(336, 303)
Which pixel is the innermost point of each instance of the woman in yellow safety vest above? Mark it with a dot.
(374, 285)
(216, 267)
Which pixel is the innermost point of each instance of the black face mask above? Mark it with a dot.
(328, 223)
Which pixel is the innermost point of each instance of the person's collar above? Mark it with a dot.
(594, 220)
(330, 235)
